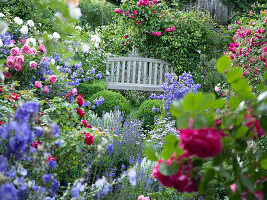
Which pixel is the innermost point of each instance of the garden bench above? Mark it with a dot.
(136, 73)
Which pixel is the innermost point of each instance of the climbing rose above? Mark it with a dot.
(38, 84)
(89, 139)
(26, 49)
(52, 78)
(35, 144)
(50, 158)
(19, 59)
(17, 67)
(80, 100)
(204, 143)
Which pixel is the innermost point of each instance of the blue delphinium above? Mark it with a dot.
(8, 192)
(132, 177)
(110, 148)
(155, 109)
(46, 178)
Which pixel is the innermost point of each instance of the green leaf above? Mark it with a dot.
(150, 152)
(263, 162)
(207, 100)
(182, 121)
(190, 102)
(219, 103)
(177, 108)
(163, 169)
(169, 144)
(240, 145)
(234, 102)
(223, 63)
(233, 75)
(241, 132)
(200, 121)
(263, 122)
(246, 183)
(173, 168)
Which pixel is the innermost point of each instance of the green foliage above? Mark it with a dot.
(112, 100)
(146, 113)
(88, 89)
(96, 13)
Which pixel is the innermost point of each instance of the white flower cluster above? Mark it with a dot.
(18, 21)
(55, 36)
(95, 39)
(85, 48)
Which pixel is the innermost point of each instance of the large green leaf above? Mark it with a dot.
(170, 145)
(223, 63)
(150, 152)
(233, 74)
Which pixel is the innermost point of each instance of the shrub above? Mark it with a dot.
(112, 100)
(147, 112)
(87, 90)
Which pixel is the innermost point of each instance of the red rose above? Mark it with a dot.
(1, 90)
(1, 123)
(80, 100)
(8, 74)
(89, 139)
(35, 144)
(85, 123)
(89, 126)
(182, 180)
(204, 143)
(50, 158)
(80, 112)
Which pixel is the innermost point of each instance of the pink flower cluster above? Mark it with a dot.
(172, 29)
(142, 197)
(156, 33)
(146, 3)
(117, 10)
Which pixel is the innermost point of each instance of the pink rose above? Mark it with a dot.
(38, 84)
(14, 51)
(154, 11)
(204, 143)
(46, 90)
(154, 1)
(73, 92)
(19, 59)
(17, 67)
(26, 49)
(258, 194)
(10, 63)
(8, 74)
(52, 78)
(23, 41)
(42, 49)
(33, 64)
(89, 139)
(33, 51)
(139, 4)
(142, 197)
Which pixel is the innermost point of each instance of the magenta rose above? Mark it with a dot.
(80, 112)
(52, 78)
(38, 84)
(19, 59)
(89, 139)
(42, 49)
(26, 49)
(204, 143)
(33, 64)
(8, 74)
(46, 90)
(17, 67)
(182, 180)
(14, 51)
(73, 92)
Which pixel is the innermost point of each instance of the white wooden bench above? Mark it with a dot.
(135, 73)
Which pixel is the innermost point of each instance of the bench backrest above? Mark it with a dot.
(135, 73)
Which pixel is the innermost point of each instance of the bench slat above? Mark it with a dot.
(112, 59)
(112, 72)
(145, 68)
(134, 65)
(128, 71)
(134, 86)
(161, 74)
(166, 71)
(139, 71)
(156, 74)
(150, 73)
(118, 71)
(122, 72)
